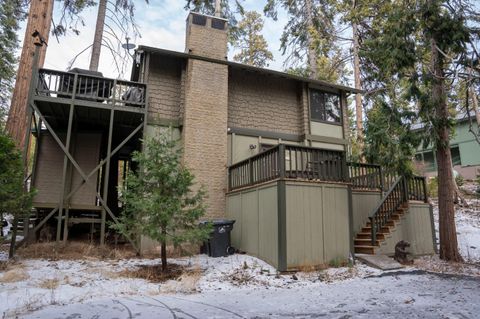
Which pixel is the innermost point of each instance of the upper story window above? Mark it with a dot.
(325, 107)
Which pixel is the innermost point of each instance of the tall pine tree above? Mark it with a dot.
(309, 38)
(421, 46)
(11, 13)
(253, 46)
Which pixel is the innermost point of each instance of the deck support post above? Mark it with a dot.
(66, 161)
(106, 178)
(107, 170)
(64, 174)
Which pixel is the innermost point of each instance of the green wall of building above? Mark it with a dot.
(467, 145)
(317, 224)
(363, 203)
(255, 212)
(415, 227)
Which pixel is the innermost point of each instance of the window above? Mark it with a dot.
(456, 159)
(429, 161)
(325, 107)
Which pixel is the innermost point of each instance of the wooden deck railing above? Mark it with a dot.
(90, 88)
(289, 161)
(417, 188)
(366, 176)
(309, 163)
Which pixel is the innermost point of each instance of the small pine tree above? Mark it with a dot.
(158, 199)
(14, 199)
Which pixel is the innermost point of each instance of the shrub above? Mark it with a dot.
(158, 199)
(433, 187)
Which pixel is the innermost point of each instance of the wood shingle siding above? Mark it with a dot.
(257, 101)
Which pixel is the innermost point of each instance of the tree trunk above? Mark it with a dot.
(358, 83)
(163, 253)
(39, 18)
(97, 40)
(14, 228)
(311, 52)
(448, 235)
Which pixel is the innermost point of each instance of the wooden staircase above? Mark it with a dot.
(363, 240)
(383, 218)
(394, 204)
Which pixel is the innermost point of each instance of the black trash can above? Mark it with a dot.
(218, 245)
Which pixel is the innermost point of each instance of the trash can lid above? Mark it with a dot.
(218, 222)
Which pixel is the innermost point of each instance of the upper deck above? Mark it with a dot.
(94, 96)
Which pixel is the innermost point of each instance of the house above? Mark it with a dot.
(464, 148)
(269, 147)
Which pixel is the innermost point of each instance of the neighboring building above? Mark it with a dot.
(464, 148)
(269, 147)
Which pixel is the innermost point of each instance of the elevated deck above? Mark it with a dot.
(93, 96)
(86, 127)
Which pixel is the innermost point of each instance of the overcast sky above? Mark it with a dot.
(162, 25)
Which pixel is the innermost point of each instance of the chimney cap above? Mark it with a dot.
(205, 15)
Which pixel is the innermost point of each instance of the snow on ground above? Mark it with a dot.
(467, 220)
(389, 295)
(29, 286)
(32, 284)
(246, 287)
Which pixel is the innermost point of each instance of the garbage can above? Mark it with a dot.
(218, 245)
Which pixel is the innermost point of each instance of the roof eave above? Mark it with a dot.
(251, 68)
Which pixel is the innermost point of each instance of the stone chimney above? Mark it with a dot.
(204, 131)
(206, 36)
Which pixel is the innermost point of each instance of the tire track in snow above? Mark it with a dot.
(208, 305)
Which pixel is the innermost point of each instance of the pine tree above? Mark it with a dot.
(420, 48)
(159, 200)
(253, 46)
(14, 198)
(389, 140)
(10, 15)
(309, 37)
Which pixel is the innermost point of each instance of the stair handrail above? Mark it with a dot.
(378, 217)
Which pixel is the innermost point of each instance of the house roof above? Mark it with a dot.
(240, 66)
(460, 117)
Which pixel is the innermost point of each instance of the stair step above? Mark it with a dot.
(366, 242)
(390, 223)
(384, 229)
(365, 250)
(365, 235)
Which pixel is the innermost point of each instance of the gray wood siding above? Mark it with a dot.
(49, 169)
(317, 224)
(87, 148)
(363, 203)
(416, 228)
(256, 221)
(48, 173)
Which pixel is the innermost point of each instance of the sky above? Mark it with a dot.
(161, 24)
